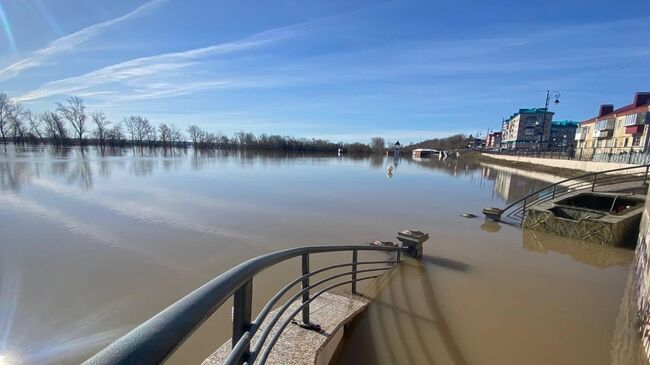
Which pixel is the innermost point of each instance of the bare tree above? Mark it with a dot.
(15, 115)
(177, 135)
(54, 127)
(75, 113)
(165, 134)
(196, 134)
(5, 104)
(101, 125)
(377, 144)
(115, 135)
(34, 124)
(139, 128)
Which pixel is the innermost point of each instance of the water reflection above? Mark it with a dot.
(81, 166)
(585, 252)
(412, 327)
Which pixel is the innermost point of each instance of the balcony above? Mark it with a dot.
(632, 120)
(605, 125)
(581, 135)
(634, 129)
(602, 133)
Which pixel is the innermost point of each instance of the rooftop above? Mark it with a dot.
(565, 123)
(531, 111)
(640, 104)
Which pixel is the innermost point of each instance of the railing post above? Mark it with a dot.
(593, 183)
(241, 315)
(554, 186)
(305, 285)
(306, 323)
(399, 256)
(645, 176)
(629, 156)
(354, 270)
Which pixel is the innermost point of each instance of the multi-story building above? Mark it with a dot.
(493, 140)
(527, 129)
(617, 130)
(563, 134)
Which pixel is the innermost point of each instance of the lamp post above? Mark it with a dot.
(556, 95)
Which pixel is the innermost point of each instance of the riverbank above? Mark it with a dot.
(522, 165)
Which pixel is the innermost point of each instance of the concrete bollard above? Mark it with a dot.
(493, 214)
(413, 240)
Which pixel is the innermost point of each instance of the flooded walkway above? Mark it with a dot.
(555, 302)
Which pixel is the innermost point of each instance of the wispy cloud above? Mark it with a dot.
(69, 42)
(154, 76)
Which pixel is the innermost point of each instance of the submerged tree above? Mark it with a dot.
(34, 123)
(101, 125)
(377, 144)
(54, 127)
(75, 113)
(15, 115)
(5, 104)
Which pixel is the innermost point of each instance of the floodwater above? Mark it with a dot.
(93, 243)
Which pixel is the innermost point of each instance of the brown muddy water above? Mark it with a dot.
(92, 244)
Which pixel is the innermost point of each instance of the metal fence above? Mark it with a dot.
(156, 339)
(628, 155)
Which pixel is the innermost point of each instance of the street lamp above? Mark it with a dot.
(549, 94)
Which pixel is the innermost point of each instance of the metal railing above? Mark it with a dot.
(623, 178)
(156, 339)
(629, 155)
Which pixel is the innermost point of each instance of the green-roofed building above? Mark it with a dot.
(563, 134)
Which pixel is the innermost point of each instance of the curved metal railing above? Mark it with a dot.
(593, 181)
(156, 339)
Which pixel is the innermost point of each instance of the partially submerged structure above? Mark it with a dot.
(603, 218)
(424, 153)
(306, 329)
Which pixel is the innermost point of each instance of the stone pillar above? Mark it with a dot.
(413, 240)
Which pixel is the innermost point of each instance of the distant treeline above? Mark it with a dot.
(455, 142)
(72, 124)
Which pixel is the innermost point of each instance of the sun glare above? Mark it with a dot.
(7, 30)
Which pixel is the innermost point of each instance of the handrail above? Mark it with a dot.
(582, 179)
(155, 340)
(591, 174)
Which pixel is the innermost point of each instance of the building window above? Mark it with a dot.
(626, 142)
(636, 139)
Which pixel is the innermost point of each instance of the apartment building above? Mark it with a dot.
(527, 129)
(563, 134)
(493, 140)
(617, 130)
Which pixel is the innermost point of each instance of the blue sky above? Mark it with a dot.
(343, 70)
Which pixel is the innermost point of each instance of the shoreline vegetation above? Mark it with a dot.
(72, 124)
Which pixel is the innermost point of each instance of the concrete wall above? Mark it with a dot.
(641, 281)
(588, 166)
